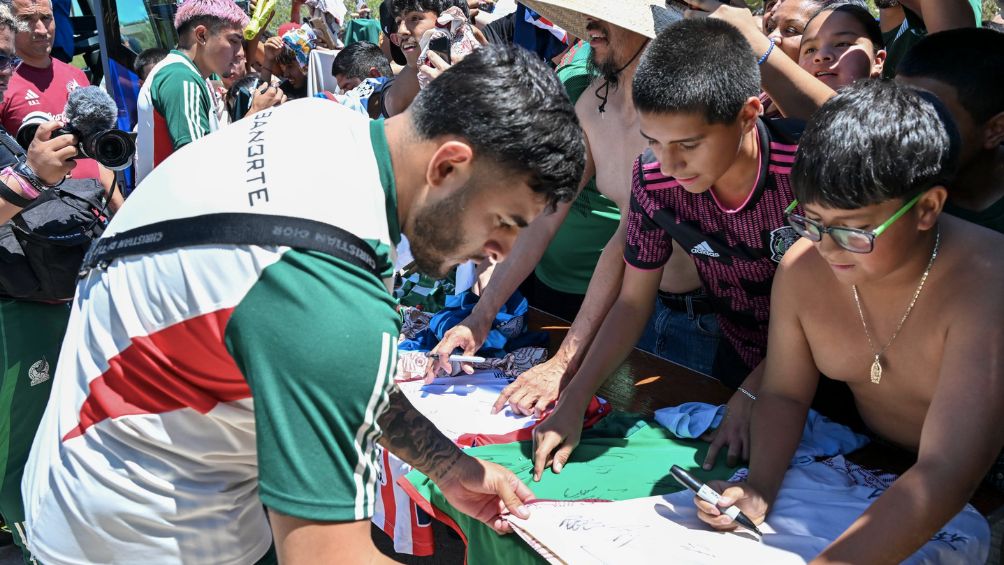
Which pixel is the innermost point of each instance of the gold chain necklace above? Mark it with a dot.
(876, 372)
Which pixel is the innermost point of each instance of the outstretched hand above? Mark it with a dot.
(554, 439)
(533, 391)
(468, 335)
(486, 491)
(734, 432)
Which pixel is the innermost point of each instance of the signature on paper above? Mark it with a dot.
(579, 524)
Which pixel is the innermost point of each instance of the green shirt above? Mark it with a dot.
(243, 375)
(311, 339)
(182, 97)
(569, 261)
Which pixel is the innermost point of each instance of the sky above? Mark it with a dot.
(130, 11)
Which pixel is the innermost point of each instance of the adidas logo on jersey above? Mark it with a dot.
(703, 248)
(32, 98)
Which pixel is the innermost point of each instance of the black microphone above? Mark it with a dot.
(91, 110)
(90, 114)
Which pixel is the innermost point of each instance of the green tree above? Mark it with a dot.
(990, 9)
(283, 7)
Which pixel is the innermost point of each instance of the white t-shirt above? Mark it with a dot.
(148, 448)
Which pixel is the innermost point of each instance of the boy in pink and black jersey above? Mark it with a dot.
(715, 180)
(736, 250)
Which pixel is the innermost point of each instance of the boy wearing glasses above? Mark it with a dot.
(897, 300)
(716, 181)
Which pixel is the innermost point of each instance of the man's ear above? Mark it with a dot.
(878, 64)
(201, 34)
(930, 205)
(374, 73)
(450, 168)
(993, 132)
(750, 112)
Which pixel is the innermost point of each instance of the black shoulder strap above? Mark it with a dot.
(14, 198)
(17, 152)
(11, 144)
(232, 229)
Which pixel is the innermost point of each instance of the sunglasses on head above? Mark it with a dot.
(11, 62)
(851, 239)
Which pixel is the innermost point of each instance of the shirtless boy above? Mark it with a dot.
(911, 319)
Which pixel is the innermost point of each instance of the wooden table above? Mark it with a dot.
(645, 383)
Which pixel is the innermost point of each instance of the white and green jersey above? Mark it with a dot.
(198, 383)
(176, 107)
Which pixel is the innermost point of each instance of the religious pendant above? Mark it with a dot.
(876, 373)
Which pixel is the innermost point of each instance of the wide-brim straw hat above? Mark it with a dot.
(644, 17)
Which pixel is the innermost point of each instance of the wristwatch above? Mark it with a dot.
(27, 173)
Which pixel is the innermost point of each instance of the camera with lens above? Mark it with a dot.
(113, 148)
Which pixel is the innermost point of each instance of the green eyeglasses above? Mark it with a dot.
(851, 239)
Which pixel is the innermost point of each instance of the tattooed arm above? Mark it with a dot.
(412, 437)
(477, 488)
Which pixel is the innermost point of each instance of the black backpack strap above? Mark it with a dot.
(233, 229)
(12, 146)
(17, 152)
(14, 198)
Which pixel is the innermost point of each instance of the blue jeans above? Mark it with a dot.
(684, 338)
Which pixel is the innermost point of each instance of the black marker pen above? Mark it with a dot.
(710, 495)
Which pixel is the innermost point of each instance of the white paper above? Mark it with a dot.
(463, 404)
(637, 531)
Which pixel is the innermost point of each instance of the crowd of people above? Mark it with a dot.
(804, 202)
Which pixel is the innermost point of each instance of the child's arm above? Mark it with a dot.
(557, 436)
(961, 438)
(794, 90)
(789, 383)
(790, 375)
(402, 92)
(734, 430)
(939, 15)
(295, 8)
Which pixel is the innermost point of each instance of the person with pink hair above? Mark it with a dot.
(176, 103)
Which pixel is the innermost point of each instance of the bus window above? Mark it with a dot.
(145, 25)
(127, 27)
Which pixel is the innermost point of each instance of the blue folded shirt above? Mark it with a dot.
(821, 436)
